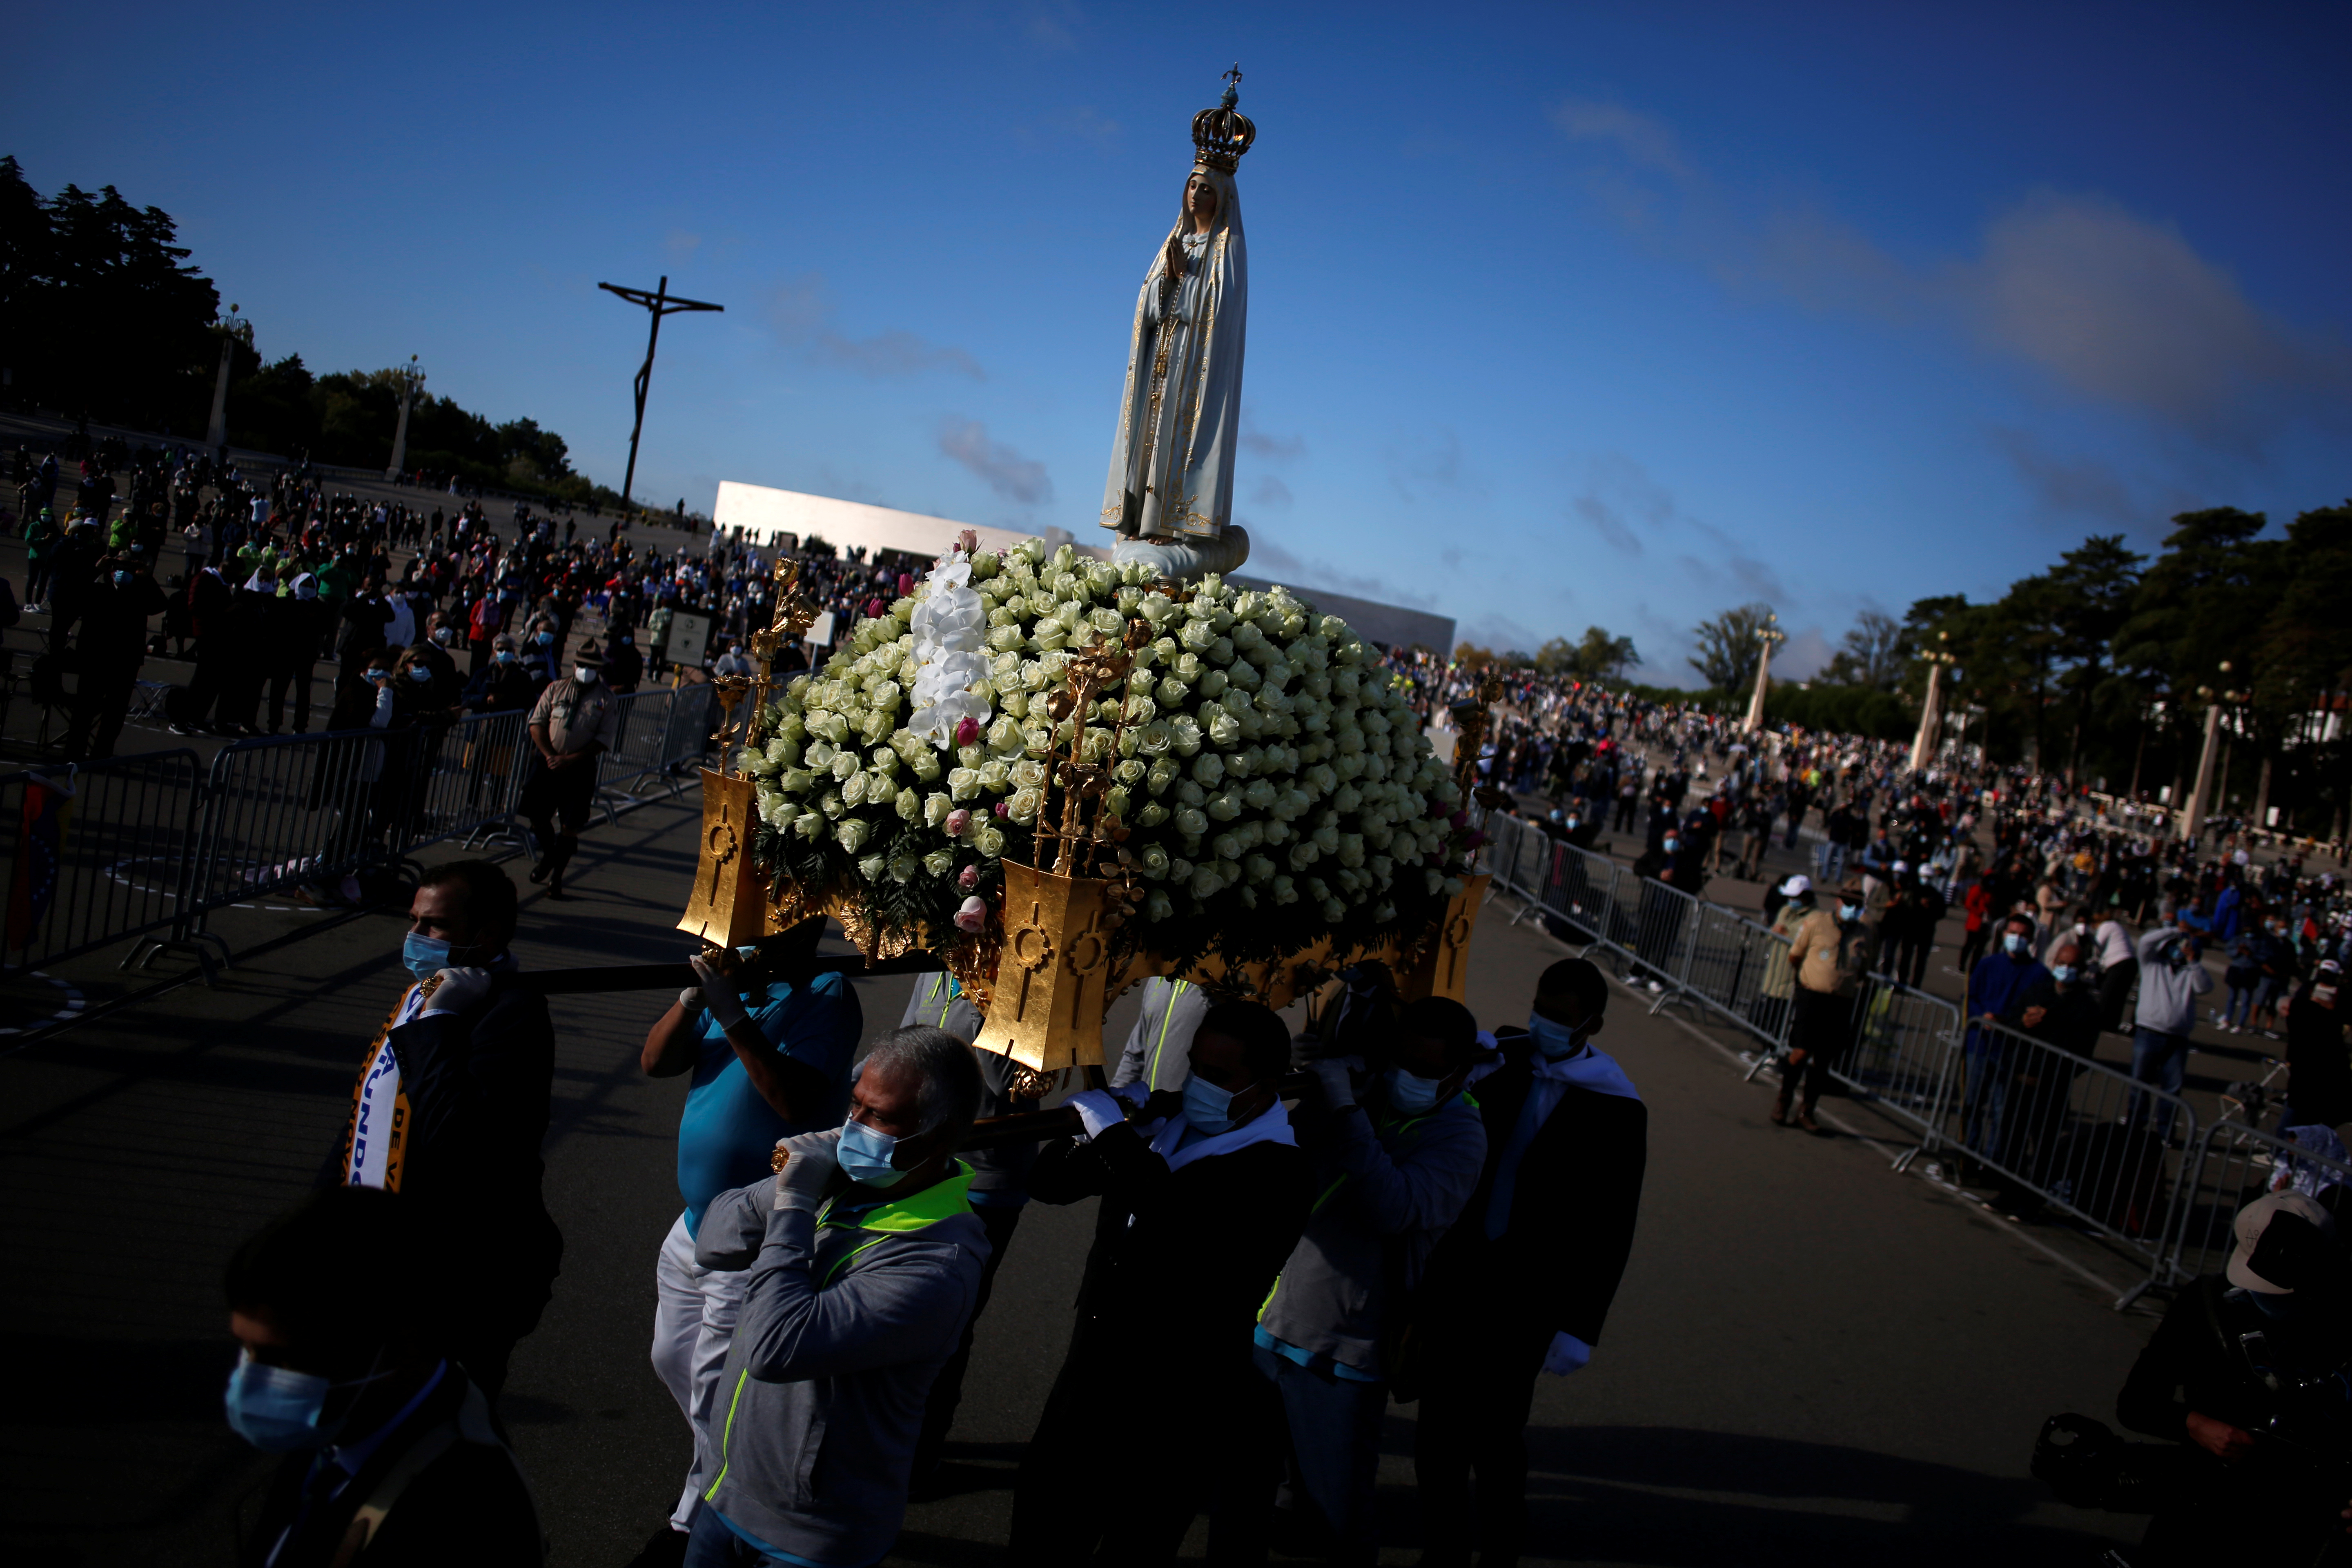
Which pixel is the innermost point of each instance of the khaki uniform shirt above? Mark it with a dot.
(1833, 958)
(575, 716)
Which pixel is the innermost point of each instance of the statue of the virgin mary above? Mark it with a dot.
(1170, 493)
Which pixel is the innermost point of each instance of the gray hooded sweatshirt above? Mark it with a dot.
(847, 1317)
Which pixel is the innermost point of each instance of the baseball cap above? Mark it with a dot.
(1797, 886)
(2253, 1220)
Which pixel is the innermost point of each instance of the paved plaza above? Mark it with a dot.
(1812, 1358)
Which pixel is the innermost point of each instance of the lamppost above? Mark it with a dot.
(1767, 636)
(1932, 709)
(410, 378)
(2192, 821)
(233, 330)
(660, 302)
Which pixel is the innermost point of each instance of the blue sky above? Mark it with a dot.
(1561, 315)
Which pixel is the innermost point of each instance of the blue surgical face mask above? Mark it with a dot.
(2063, 973)
(1849, 913)
(276, 1409)
(1555, 1040)
(423, 955)
(504, 655)
(1670, 844)
(1410, 1094)
(2014, 944)
(1208, 1108)
(864, 1155)
(545, 639)
(419, 674)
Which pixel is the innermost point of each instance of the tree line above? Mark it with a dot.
(103, 316)
(2104, 668)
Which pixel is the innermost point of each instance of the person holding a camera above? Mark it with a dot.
(2172, 977)
(2247, 1374)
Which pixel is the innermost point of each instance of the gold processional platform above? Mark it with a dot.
(1047, 967)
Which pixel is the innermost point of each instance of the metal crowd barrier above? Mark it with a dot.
(658, 729)
(148, 847)
(2124, 1159)
(106, 861)
(2115, 1154)
(2230, 1166)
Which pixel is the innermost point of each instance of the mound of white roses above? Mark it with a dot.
(1275, 784)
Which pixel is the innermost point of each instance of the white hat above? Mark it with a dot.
(2254, 1219)
(1797, 886)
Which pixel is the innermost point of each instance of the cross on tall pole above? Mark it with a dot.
(661, 303)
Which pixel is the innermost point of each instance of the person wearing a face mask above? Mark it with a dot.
(2242, 1373)
(1997, 986)
(1829, 955)
(389, 1450)
(501, 685)
(575, 721)
(1521, 1285)
(1677, 862)
(111, 644)
(2063, 1013)
(1398, 1147)
(449, 1109)
(1198, 1212)
(541, 647)
(768, 1060)
(2172, 977)
(862, 1260)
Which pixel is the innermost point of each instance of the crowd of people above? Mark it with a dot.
(1295, 1229)
(258, 579)
(2077, 916)
(1397, 1203)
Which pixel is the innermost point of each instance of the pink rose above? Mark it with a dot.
(959, 819)
(967, 878)
(972, 916)
(1003, 808)
(967, 732)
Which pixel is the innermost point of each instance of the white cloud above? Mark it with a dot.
(2113, 306)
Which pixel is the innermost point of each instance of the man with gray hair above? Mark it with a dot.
(863, 1258)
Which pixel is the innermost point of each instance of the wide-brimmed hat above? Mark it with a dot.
(588, 656)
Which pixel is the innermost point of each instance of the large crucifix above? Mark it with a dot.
(661, 302)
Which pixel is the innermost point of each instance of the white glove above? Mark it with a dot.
(1099, 1111)
(1567, 1353)
(691, 1000)
(460, 989)
(1331, 1077)
(719, 994)
(809, 1166)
